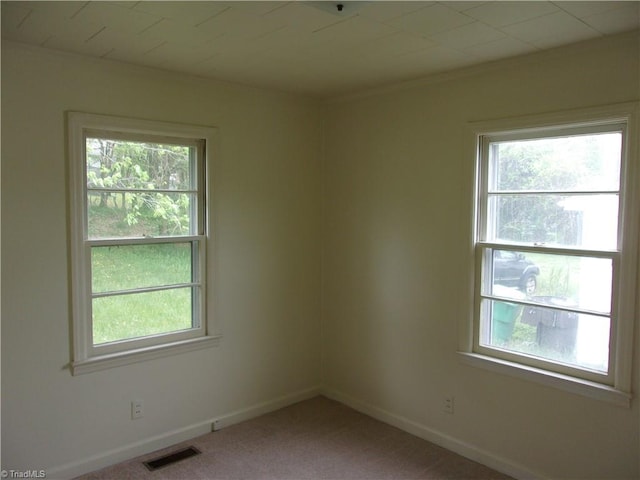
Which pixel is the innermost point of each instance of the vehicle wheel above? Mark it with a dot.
(529, 284)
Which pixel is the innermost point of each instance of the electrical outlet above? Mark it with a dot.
(136, 409)
(216, 425)
(448, 405)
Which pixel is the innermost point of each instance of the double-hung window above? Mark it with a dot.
(555, 247)
(139, 232)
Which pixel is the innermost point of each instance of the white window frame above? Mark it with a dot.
(614, 387)
(88, 357)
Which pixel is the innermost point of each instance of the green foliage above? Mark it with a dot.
(546, 165)
(123, 176)
(523, 338)
(559, 275)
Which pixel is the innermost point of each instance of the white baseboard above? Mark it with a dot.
(148, 445)
(467, 450)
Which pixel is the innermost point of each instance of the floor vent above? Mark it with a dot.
(170, 458)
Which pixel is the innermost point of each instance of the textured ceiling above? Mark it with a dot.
(311, 47)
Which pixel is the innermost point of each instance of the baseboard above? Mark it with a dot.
(148, 445)
(467, 450)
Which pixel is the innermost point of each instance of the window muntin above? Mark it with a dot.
(550, 200)
(138, 237)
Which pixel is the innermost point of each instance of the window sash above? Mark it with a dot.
(197, 163)
(480, 319)
(148, 240)
(139, 190)
(484, 223)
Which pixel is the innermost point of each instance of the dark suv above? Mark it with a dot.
(512, 269)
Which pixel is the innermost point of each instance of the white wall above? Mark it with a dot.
(267, 255)
(396, 239)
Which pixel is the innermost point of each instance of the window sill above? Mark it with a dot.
(112, 360)
(551, 379)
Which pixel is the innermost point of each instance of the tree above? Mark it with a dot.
(562, 164)
(140, 187)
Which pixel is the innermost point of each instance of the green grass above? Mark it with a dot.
(135, 266)
(559, 275)
(135, 315)
(138, 315)
(108, 221)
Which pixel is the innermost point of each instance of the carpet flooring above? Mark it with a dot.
(314, 439)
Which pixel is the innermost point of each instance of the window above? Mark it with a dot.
(555, 247)
(139, 232)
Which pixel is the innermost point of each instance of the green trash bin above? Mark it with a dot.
(504, 315)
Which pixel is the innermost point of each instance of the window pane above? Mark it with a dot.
(139, 214)
(566, 337)
(582, 162)
(564, 280)
(125, 267)
(124, 317)
(588, 221)
(138, 165)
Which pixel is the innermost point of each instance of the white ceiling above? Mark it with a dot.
(311, 47)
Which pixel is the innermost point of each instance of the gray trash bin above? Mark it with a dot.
(555, 329)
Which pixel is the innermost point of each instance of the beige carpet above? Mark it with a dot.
(314, 439)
